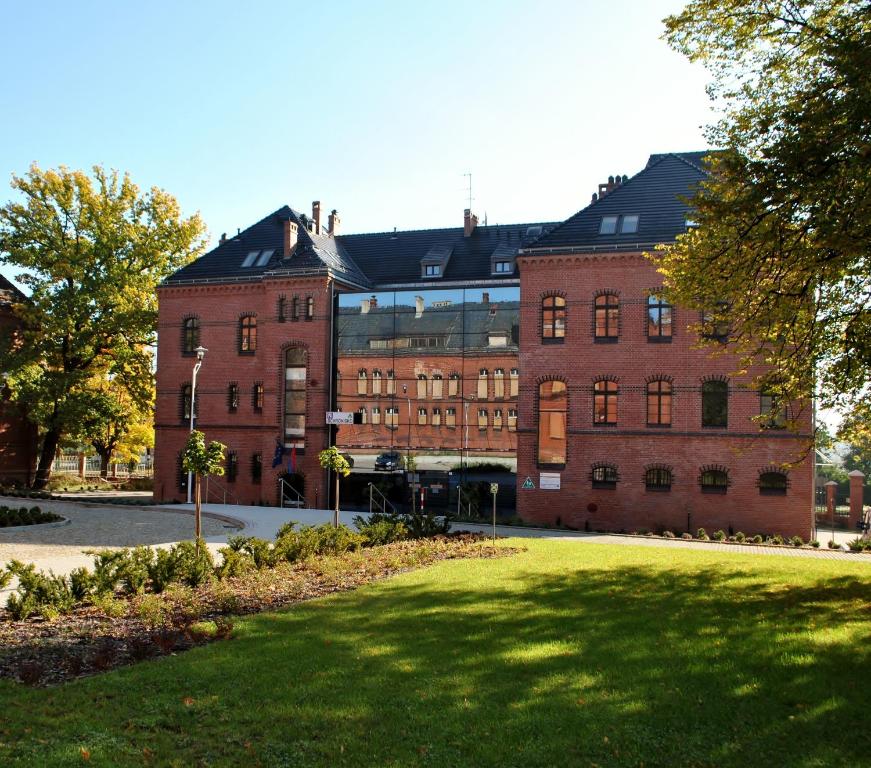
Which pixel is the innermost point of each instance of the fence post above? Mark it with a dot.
(857, 494)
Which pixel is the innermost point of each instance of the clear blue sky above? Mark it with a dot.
(377, 108)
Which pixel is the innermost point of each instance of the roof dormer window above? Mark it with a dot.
(622, 225)
(432, 270)
(629, 224)
(257, 258)
(250, 258)
(503, 267)
(608, 225)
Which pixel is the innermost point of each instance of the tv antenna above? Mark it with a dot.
(469, 176)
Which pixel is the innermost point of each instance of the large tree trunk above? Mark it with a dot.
(46, 457)
(105, 457)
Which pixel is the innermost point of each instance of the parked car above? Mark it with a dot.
(349, 458)
(389, 461)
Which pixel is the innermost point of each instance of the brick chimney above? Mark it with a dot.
(373, 302)
(418, 307)
(470, 221)
(316, 216)
(611, 185)
(335, 223)
(223, 238)
(364, 306)
(290, 234)
(485, 298)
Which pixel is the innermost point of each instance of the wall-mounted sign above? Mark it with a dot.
(549, 481)
(528, 485)
(340, 417)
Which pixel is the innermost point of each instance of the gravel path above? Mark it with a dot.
(96, 527)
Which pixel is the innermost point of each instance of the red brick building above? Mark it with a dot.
(17, 435)
(548, 340)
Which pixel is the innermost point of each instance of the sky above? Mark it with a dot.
(377, 109)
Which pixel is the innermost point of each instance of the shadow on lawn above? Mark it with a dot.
(595, 665)
(632, 664)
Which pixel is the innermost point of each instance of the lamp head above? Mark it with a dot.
(201, 351)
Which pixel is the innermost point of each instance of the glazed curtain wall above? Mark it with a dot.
(430, 370)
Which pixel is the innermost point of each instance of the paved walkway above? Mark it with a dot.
(97, 526)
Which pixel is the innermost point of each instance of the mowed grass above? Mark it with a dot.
(566, 654)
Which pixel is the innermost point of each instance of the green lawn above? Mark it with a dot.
(564, 655)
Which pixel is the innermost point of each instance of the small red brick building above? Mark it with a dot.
(551, 342)
(17, 434)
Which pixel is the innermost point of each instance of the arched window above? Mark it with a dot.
(604, 476)
(715, 403)
(233, 397)
(482, 383)
(772, 483)
(454, 385)
(232, 468)
(294, 397)
(607, 317)
(309, 308)
(437, 386)
(282, 309)
(774, 415)
(714, 480)
(376, 381)
(553, 317)
(657, 479)
(552, 410)
(659, 318)
(421, 386)
(257, 396)
(248, 334)
(186, 404)
(190, 335)
(605, 402)
(362, 381)
(659, 403)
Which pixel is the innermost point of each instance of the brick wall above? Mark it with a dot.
(743, 448)
(246, 430)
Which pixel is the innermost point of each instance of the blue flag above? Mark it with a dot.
(279, 452)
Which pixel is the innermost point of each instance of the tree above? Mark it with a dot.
(855, 430)
(201, 461)
(331, 459)
(782, 251)
(119, 417)
(94, 250)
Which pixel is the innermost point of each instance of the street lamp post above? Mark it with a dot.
(201, 351)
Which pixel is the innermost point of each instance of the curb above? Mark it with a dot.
(37, 526)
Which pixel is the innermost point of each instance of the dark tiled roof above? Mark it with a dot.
(366, 259)
(394, 257)
(313, 252)
(8, 292)
(654, 195)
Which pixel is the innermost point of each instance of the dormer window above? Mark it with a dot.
(622, 225)
(608, 225)
(435, 261)
(257, 258)
(503, 267)
(432, 270)
(629, 225)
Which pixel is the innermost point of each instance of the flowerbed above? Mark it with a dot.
(111, 629)
(11, 517)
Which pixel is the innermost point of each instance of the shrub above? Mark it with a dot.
(776, 539)
(719, 535)
(81, 584)
(380, 529)
(234, 563)
(133, 569)
(757, 539)
(740, 537)
(859, 545)
(180, 564)
(105, 575)
(814, 543)
(421, 526)
(668, 534)
(687, 536)
(832, 544)
(797, 541)
(703, 535)
(38, 592)
(153, 611)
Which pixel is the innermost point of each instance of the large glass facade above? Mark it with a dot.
(433, 373)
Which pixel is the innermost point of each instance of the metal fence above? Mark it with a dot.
(68, 464)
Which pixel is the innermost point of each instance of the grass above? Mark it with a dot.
(566, 654)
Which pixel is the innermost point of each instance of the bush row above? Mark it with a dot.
(11, 516)
(139, 570)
